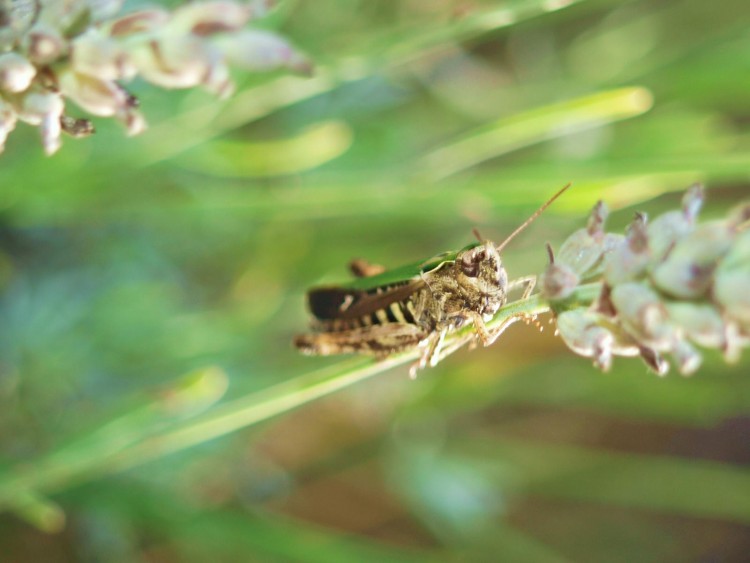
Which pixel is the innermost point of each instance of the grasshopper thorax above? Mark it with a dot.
(481, 278)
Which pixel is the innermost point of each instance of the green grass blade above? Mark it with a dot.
(38, 511)
(534, 126)
(312, 147)
(687, 487)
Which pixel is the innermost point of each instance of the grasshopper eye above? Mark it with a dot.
(470, 263)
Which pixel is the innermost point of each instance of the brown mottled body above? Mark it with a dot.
(419, 312)
(417, 309)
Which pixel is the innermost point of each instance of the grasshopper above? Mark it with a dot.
(387, 312)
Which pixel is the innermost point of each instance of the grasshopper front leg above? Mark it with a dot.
(528, 281)
(435, 352)
(431, 353)
(487, 336)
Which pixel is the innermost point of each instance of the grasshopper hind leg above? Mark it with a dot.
(378, 340)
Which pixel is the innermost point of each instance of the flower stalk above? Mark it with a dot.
(80, 51)
(668, 285)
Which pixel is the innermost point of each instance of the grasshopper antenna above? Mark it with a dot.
(530, 220)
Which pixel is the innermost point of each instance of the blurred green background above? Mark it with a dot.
(145, 282)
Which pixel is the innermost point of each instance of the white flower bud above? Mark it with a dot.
(218, 81)
(44, 44)
(100, 97)
(44, 109)
(17, 17)
(653, 360)
(103, 97)
(134, 122)
(688, 359)
(581, 251)
(612, 241)
(143, 21)
(36, 105)
(630, 256)
(737, 339)
(667, 229)
(592, 335)
(558, 281)
(732, 291)
(585, 337)
(578, 258)
(177, 61)
(16, 73)
(644, 316)
(50, 130)
(260, 50)
(597, 219)
(207, 18)
(8, 120)
(688, 270)
(692, 202)
(700, 322)
(97, 55)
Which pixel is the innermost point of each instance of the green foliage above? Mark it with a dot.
(126, 264)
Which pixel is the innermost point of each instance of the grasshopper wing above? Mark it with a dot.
(367, 295)
(331, 303)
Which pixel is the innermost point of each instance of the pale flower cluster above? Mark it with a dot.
(668, 285)
(53, 52)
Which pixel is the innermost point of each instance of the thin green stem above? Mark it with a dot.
(94, 457)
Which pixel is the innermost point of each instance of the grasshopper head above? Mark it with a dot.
(482, 278)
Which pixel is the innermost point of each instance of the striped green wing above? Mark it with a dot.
(364, 296)
(405, 273)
